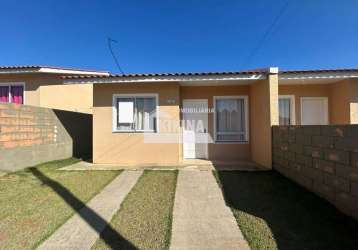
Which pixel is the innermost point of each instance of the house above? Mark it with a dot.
(227, 116)
(42, 86)
(319, 96)
(169, 119)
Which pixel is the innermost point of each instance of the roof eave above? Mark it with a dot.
(19, 71)
(167, 78)
(318, 75)
(71, 71)
(49, 70)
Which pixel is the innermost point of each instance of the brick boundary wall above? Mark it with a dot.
(323, 159)
(33, 135)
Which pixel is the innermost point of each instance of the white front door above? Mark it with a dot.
(195, 128)
(314, 111)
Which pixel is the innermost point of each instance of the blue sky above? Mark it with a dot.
(180, 36)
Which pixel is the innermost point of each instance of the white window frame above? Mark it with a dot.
(292, 107)
(9, 84)
(114, 112)
(324, 98)
(246, 103)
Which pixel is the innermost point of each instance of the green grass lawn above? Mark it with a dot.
(145, 216)
(275, 213)
(30, 210)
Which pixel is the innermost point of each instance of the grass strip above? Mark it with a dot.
(30, 210)
(145, 216)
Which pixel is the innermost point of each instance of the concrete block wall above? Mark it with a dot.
(31, 135)
(323, 159)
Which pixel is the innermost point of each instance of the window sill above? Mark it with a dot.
(231, 142)
(134, 132)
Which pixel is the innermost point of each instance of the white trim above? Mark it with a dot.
(273, 70)
(335, 75)
(192, 99)
(246, 103)
(325, 104)
(49, 70)
(133, 95)
(71, 71)
(151, 79)
(292, 107)
(211, 83)
(15, 84)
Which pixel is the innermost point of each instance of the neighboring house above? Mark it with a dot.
(131, 112)
(319, 96)
(43, 86)
(169, 118)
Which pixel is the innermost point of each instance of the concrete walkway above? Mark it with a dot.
(83, 229)
(192, 164)
(201, 220)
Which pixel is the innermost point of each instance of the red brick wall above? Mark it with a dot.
(29, 135)
(23, 126)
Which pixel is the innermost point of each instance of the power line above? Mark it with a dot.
(265, 36)
(109, 42)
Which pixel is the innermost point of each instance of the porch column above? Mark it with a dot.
(339, 104)
(353, 101)
(264, 114)
(344, 102)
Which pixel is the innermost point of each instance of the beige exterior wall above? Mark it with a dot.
(220, 151)
(262, 95)
(306, 90)
(264, 114)
(47, 90)
(75, 97)
(339, 104)
(32, 84)
(342, 99)
(353, 98)
(130, 148)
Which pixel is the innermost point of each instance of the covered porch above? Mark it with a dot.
(319, 97)
(238, 122)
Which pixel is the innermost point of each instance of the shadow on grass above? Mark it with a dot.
(112, 238)
(297, 219)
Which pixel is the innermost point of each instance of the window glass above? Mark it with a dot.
(230, 119)
(17, 94)
(284, 111)
(125, 113)
(145, 113)
(4, 93)
(12, 93)
(136, 114)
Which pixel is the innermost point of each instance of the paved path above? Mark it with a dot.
(201, 220)
(187, 165)
(82, 230)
